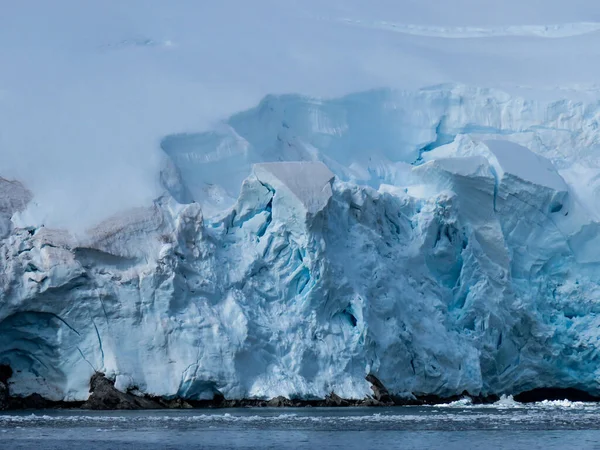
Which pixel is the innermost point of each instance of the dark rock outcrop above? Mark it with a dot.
(176, 403)
(484, 399)
(380, 393)
(104, 395)
(335, 400)
(5, 374)
(279, 402)
(241, 403)
(3, 396)
(33, 401)
(370, 401)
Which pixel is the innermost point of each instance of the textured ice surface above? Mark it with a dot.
(13, 198)
(456, 261)
(443, 238)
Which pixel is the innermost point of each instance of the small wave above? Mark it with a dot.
(565, 404)
(508, 402)
(525, 413)
(230, 418)
(505, 402)
(462, 403)
(101, 421)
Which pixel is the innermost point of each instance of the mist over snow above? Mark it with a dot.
(88, 89)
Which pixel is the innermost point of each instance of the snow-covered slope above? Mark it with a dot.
(89, 90)
(372, 137)
(162, 224)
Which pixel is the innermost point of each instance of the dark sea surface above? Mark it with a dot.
(506, 424)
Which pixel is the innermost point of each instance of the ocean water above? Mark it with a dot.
(460, 425)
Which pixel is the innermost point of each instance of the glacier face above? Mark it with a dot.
(442, 239)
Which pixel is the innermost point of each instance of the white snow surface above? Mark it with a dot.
(278, 198)
(514, 160)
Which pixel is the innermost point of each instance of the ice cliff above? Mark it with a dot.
(443, 239)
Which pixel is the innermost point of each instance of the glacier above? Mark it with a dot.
(281, 198)
(442, 239)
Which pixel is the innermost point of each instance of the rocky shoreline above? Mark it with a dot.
(104, 396)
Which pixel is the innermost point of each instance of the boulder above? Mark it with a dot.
(370, 401)
(3, 396)
(33, 401)
(177, 403)
(5, 374)
(279, 402)
(335, 400)
(104, 395)
(380, 392)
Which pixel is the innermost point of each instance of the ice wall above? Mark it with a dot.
(406, 235)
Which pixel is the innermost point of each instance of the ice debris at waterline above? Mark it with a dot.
(415, 247)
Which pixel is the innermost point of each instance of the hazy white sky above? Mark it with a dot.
(88, 88)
